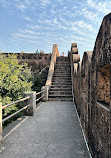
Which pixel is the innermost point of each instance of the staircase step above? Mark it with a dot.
(64, 59)
(62, 65)
(62, 75)
(62, 78)
(62, 69)
(67, 60)
(61, 99)
(61, 83)
(61, 89)
(65, 69)
(61, 86)
(57, 80)
(60, 93)
(61, 96)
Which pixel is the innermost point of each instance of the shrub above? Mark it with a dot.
(15, 79)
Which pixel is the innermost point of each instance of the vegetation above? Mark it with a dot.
(15, 79)
(39, 80)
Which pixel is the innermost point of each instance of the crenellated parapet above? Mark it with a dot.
(74, 57)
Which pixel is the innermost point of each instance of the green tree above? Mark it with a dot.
(15, 79)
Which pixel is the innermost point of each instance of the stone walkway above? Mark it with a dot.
(54, 132)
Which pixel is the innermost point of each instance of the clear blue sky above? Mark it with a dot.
(29, 25)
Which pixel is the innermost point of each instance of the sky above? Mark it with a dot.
(29, 25)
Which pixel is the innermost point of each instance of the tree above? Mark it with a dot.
(15, 79)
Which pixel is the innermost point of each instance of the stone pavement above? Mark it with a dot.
(54, 132)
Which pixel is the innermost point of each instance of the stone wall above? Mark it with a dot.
(92, 92)
(35, 61)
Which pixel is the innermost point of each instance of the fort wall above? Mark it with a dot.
(35, 61)
(92, 92)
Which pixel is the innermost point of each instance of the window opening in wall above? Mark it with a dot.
(83, 83)
(103, 85)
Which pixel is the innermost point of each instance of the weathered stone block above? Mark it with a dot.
(76, 58)
(74, 50)
(45, 92)
(30, 111)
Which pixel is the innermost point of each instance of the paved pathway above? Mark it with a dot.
(54, 132)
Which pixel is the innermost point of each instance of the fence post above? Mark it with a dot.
(30, 111)
(0, 125)
(45, 92)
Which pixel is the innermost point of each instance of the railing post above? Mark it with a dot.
(0, 125)
(30, 111)
(45, 93)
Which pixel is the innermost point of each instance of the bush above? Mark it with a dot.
(39, 80)
(15, 79)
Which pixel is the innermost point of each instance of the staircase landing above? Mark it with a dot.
(54, 132)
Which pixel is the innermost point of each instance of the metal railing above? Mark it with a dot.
(18, 101)
(40, 96)
(32, 100)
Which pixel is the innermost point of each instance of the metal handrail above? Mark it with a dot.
(43, 69)
(16, 102)
(5, 119)
(40, 92)
(15, 113)
(39, 98)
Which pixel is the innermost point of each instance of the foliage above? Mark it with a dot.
(15, 79)
(39, 80)
(37, 83)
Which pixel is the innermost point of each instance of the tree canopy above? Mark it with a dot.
(15, 79)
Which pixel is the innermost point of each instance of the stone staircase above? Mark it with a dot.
(61, 88)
